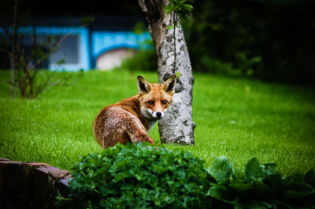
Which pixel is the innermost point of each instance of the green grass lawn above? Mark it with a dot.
(238, 118)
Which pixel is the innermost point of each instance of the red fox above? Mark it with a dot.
(130, 119)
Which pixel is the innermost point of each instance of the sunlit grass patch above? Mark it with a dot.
(238, 118)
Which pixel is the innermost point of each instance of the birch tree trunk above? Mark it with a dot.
(177, 126)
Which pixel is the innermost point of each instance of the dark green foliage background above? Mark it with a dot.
(271, 39)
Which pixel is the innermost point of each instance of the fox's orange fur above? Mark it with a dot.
(130, 119)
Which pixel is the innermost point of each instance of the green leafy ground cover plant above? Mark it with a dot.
(144, 176)
(260, 186)
(138, 177)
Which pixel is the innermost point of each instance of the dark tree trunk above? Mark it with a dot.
(14, 46)
(177, 126)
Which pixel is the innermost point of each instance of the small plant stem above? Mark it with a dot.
(174, 37)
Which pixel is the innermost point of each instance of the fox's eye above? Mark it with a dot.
(164, 101)
(150, 102)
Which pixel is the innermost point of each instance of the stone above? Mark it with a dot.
(6, 162)
(57, 173)
(35, 164)
(62, 186)
(42, 170)
(41, 183)
(12, 175)
(31, 184)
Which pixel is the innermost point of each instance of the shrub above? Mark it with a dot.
(218, 67)
(153, 177)
(260, 186)
(138, 177)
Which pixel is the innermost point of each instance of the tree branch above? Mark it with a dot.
(143, 6)
(153, 9)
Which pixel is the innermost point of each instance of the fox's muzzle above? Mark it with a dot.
(158, 115)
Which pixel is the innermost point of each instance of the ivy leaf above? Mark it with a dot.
(283, 205)
(188, 7)
(268, 205)
(241, 187)
(239, 205)
(269, 168)
(253, 171)
(262, 190)
(168, 9)
(180, 7)
(221, 170)
(222, 193)
(255, 205)
(309, 177)
(298, 190)
(276, 182)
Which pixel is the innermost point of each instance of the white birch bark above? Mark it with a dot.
(177, 126)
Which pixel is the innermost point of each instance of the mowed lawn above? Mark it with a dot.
(238, 118)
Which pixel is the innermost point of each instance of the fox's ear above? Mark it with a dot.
(169, 84)
(143, 85)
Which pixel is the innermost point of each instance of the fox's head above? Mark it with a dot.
(155, 98)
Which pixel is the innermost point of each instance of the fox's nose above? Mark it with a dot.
(158, 114)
